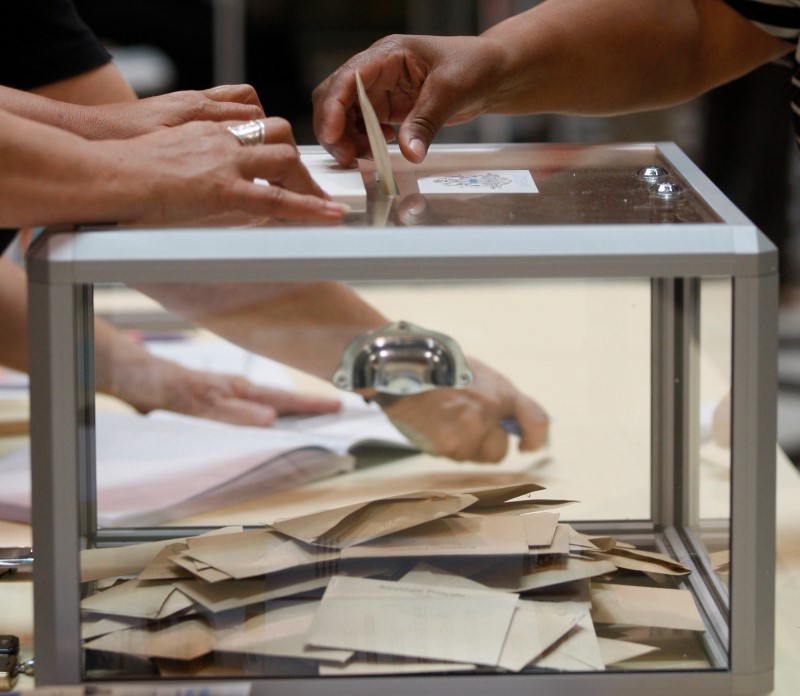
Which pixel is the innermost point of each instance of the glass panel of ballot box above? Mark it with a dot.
(511, 429)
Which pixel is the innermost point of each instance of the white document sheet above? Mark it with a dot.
(343, 185)
(163, 466)
(397, 618)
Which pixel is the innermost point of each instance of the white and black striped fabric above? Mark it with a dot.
(779, 18)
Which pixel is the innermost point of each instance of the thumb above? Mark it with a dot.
(429, 114)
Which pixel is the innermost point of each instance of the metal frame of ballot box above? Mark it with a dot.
(64, 266)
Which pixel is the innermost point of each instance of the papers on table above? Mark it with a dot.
(160, 467)
(420, 582)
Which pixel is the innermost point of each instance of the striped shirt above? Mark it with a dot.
(780, 18)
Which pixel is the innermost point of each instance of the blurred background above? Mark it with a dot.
(740, 134)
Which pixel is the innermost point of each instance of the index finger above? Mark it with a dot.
(298, 178)
(278, 160)
(280, 165)
(265, 201)
(287, 403)
(332, 99)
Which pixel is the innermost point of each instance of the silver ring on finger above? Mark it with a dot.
(250, 133)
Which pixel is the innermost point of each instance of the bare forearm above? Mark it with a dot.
(306, 326)
(103, 85)
(111, 347)
(39, 108)
(64, 104)
(100, 105)
(13, 303)
(50, 176)
(583, 56)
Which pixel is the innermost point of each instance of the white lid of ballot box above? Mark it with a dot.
(591, 211)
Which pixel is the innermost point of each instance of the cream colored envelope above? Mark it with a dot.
(199, 570)
(645, 606)
(361, 522)
(489, 496)
(232, 594)
(115, 561)
(452, 536)
(579, 650)
(162, 567)
(534, 575)
(643, 561)
(508, 499)
(388, 664)
(410, 620)
(520, 507)
(256, 552)
(184, 640)
(425, 574)
(535, 627)
(615, 651)
(559, 545)
(540, 527)
(280, 632)
(138, 599)
(581, 542)
(95, 628)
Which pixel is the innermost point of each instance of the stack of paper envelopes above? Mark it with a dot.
(433, 581)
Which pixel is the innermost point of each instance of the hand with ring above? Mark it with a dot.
(273, 131)
(199, 173)
(127, 119)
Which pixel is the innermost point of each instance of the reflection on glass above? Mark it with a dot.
(715, 448)
(328, 540)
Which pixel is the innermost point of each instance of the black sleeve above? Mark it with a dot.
(44, 41)
(6, 237)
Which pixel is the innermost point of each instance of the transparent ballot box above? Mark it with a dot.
(512, 429)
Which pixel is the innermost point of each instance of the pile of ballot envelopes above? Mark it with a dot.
(434, 581)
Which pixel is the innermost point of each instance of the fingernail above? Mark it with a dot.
(418, 208)
(418, 148)
(336, 209)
